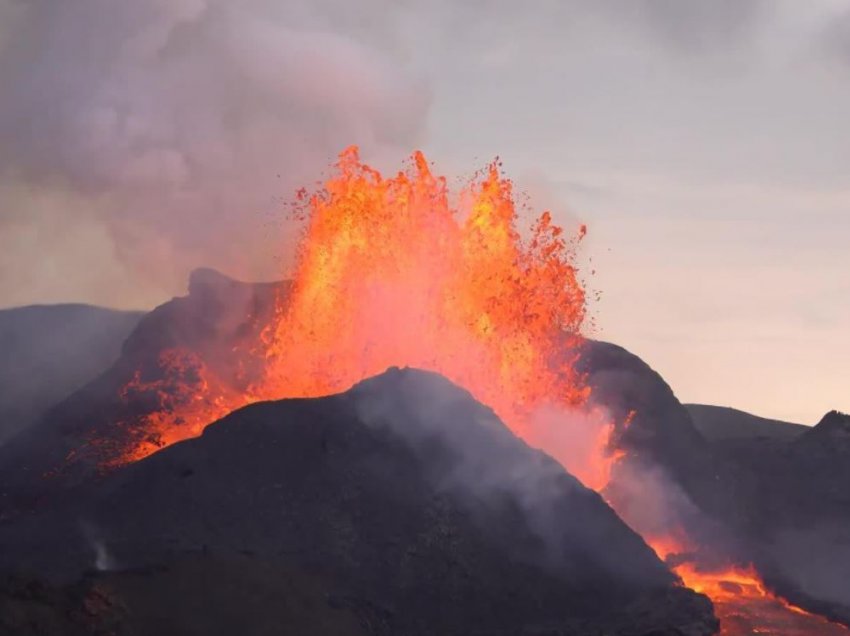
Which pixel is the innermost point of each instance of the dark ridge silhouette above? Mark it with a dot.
(406, 500)
(217, 317)
(719, 423)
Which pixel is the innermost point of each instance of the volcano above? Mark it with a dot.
(216, 430)
(156, 531)
(411, 505)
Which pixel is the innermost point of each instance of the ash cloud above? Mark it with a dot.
(157, 134)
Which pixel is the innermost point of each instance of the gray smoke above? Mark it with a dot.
(103, 560)
(139, 140)
(467, 452)
(650, 501)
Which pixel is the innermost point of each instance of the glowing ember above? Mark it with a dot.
(390, 273)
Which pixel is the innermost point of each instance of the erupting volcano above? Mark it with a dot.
(389, 272)
(395, 271)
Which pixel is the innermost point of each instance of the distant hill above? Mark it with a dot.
(721, 423)
(772, 493)
(49, 351)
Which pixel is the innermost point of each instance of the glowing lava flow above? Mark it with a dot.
(741, 601)
(388, 273)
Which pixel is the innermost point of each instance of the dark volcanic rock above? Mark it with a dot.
(661, 430)
(407, 503)
(217, 322)
(247, 597)
(797, 526)
(660, 436)
(218, 314)
(721, 423)
(773, 499)
(834, 428)
(806, 521)
(50, 351)
(779, 500)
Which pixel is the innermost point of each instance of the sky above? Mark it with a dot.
(705, 145)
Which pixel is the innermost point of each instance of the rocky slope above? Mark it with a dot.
(216, 321)
(777, 500)
(409, 505)
(721, 423)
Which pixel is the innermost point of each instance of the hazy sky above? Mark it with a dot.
(705, 143)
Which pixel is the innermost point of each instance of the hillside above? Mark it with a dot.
(49, 351)
(404, 502)
(722, 423)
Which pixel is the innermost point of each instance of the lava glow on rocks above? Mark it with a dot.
(393, 271)
(390, 273)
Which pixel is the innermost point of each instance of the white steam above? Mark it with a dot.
(468, 451)
(577, 438)
(103, 559)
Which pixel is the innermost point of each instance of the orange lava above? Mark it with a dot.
(741, 601)
(390, 272)
(179, 403)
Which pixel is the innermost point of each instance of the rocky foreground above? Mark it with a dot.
(753, 491)
(400, 507)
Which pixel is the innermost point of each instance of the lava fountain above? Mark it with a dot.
(390, 271)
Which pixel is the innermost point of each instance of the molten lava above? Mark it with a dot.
(389, 272)
(741, 601)
(179, 402)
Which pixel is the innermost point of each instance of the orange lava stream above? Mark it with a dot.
(741, 601)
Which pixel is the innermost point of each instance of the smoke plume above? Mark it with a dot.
(139, 140)
(467, 451)
(103, 560)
